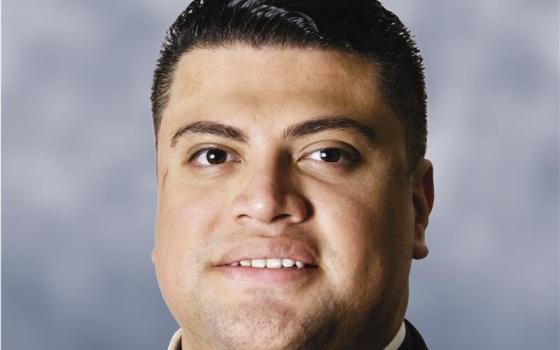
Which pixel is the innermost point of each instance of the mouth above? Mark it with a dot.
(278, 261)
(272, 263)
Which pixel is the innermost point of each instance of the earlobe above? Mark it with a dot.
(423, 200)
(419, 246)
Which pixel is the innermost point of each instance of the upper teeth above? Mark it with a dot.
(269, 263)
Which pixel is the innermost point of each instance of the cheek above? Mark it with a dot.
(364, 233)
(184, 225)
(187, 213)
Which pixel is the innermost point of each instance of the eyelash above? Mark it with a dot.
(205, 150)
(350, 157)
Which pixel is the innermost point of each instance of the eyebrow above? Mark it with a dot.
(298, 130)
(330, 123)
(210, 128)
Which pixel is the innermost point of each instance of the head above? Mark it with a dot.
(289, 131)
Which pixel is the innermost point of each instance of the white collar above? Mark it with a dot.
(393, 345)
(175, 340)
(398, 339)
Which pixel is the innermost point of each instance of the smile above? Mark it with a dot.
(270, 263)
(277, 261)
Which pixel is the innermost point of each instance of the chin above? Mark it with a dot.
(265, 325)
(258, 339)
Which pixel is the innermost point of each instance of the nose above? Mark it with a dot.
(267, 197)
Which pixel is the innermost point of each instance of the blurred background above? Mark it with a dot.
(78, 178)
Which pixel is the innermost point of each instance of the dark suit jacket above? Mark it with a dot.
(412, 340)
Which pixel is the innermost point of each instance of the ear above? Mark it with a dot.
(423, 201)
(153, 256)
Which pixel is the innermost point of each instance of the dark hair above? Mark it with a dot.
(362, 27)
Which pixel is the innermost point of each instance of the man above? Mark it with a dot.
(293, 189)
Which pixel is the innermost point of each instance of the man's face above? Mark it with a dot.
(289, 155)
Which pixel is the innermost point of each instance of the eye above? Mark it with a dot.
(211, 156)
(333, 155)
(327, 155)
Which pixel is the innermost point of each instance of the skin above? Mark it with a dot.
(365, 218)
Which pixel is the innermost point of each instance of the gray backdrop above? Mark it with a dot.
(79, 191)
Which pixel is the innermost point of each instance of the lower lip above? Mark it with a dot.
(266, 275)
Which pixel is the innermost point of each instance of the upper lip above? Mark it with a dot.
(276, 247)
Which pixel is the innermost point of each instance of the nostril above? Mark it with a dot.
(269, 206)
(280, 217)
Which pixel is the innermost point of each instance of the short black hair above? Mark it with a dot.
(357, 27)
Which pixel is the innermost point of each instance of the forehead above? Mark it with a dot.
(285, 65)
(269, 81)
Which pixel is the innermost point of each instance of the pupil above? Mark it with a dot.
(330, 154)
(216, 156)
